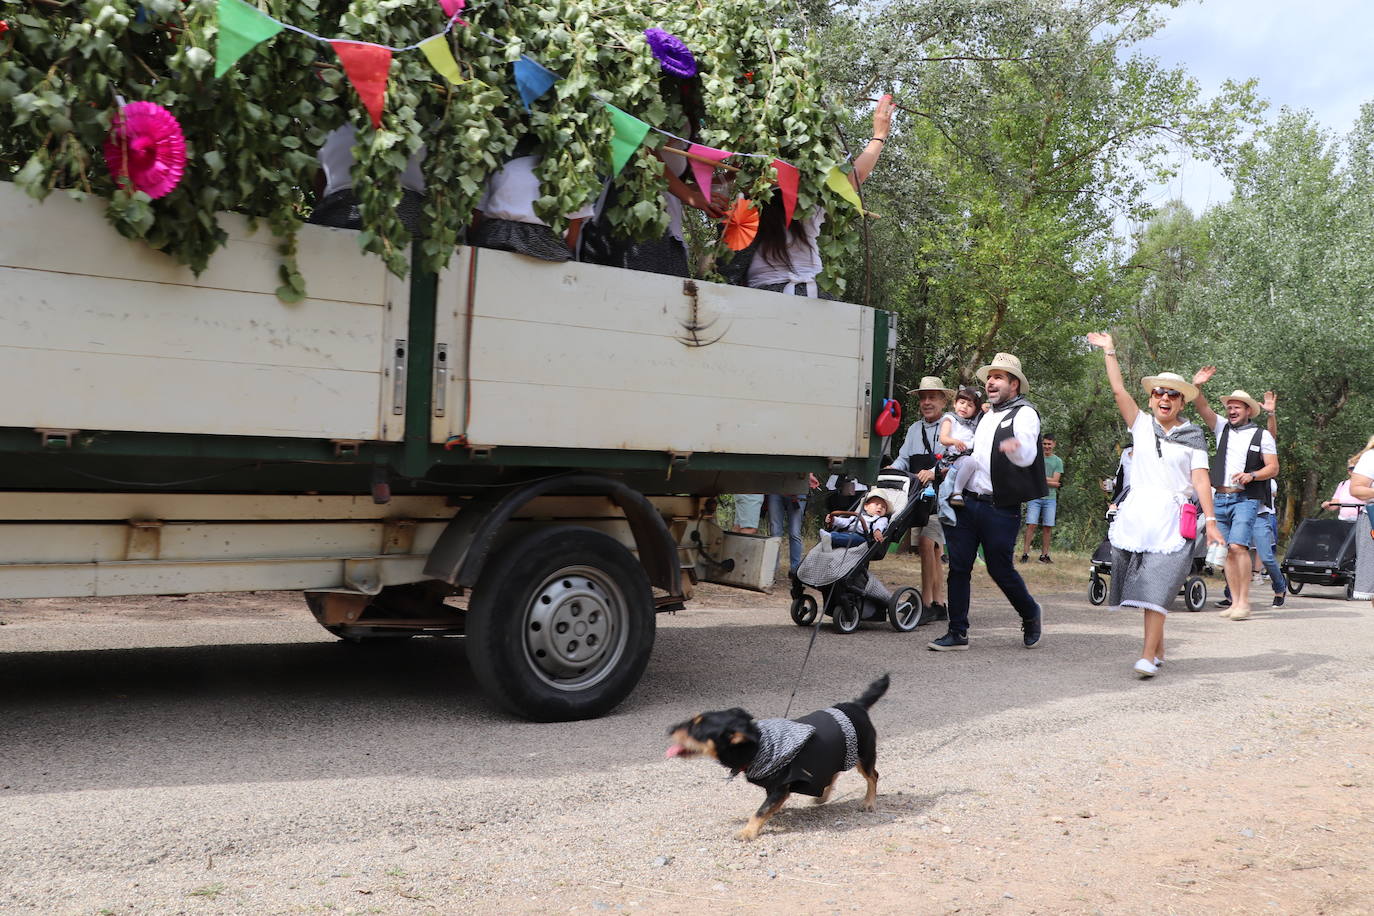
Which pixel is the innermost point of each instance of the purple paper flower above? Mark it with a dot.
(673, 56)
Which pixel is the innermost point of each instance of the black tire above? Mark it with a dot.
(1195, 593)
(846, 614)
(904, 610)
(1350, 590)
(561, 625)
(1294, 587)
(1097, 590)
(804, 610)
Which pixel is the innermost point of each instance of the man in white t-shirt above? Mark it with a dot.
(1245, 461)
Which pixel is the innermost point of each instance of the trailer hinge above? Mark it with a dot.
(440, 379)
(398, 378)
(480, 452)
(346, 448)
(834, 464)
(56, 438)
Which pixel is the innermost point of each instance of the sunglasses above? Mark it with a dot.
(1167, 393)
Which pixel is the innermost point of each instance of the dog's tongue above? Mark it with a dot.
(674, 750)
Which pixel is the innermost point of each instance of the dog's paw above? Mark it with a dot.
(870, 806)
(747, 834)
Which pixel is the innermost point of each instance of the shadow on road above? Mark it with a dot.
(300, 711)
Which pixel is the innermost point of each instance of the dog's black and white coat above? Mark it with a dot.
(783, 756)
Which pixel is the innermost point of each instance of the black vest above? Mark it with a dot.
(1254, 460)
(1013, 485)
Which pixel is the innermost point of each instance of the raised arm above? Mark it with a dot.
(882, 125)
(1124, 402)
(1271, 404)
(1204, 410)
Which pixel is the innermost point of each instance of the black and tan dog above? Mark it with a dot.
(783, 756)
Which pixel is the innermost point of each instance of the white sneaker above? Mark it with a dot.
(1145, 669)
(1159, 662)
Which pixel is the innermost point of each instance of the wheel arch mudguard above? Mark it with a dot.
(463, 549)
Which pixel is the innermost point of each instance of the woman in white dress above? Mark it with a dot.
(1150, 556)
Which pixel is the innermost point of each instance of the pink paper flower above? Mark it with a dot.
(146, 148)
(453, 7)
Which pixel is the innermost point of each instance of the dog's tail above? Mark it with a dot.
(875, 692)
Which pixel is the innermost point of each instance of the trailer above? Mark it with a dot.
(522, 454)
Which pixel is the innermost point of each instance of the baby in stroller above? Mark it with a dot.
(956, 435)
(848, 529)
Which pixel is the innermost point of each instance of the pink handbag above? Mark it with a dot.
(1187, 521)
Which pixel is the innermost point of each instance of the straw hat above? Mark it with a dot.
(1170, 380)
(1008, 364)
(895, 499)
(1255, 407)
(931, 383)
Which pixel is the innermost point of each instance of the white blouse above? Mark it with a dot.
(805, 254)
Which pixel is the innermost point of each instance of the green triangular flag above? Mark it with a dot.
(629, 134)
(241, 28)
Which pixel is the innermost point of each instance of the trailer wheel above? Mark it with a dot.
(1097, 590)
(904, 610)
(1294, 587)
(804, 610)
(1195, 593)
(561, 625)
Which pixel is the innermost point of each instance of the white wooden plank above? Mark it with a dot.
(590, 296)
(449, 393)
(599, 359)
(30, 232)
(67, 313)
(702, 422)
(147, 394)
(56, 507)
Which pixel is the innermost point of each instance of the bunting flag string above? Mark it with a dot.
(242, 27)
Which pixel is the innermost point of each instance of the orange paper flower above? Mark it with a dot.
(741, 225)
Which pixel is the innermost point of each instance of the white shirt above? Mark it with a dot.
(959, 428)
(1026, 434)
(1240, 443)
(1147, 519)
(512, 191)
(804, 253)
(336, 158)
(1365, 468)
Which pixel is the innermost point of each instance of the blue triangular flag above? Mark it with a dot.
(532, 78)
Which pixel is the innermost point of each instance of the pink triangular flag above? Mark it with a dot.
(367, 67)
(702, 171)
(788, 181)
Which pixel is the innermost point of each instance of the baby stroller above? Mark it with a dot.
(1194, 589)
(849, 593)
(1322, 552)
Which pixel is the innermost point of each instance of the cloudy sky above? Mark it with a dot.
(1313, 54)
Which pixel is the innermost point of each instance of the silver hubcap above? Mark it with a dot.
(575, 628)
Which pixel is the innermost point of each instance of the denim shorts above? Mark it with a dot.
(1236, 515)
(1041, 511)
(748, 508)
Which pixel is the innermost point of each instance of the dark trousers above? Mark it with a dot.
(995, 529)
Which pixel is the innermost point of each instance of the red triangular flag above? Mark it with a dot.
(788, 180)
(366, 66)
(702, 171)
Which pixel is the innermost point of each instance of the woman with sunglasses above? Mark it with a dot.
(1151, 556)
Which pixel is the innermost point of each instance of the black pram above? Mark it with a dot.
(849, 593)
(1194, 587)
(1322, 552)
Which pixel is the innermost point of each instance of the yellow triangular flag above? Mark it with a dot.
(839, 182)
(436, 50)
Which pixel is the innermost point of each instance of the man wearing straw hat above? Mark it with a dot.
(918, 456)
(1008, 469)
(1245, 461)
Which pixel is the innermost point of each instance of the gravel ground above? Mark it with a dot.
(222, 754)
